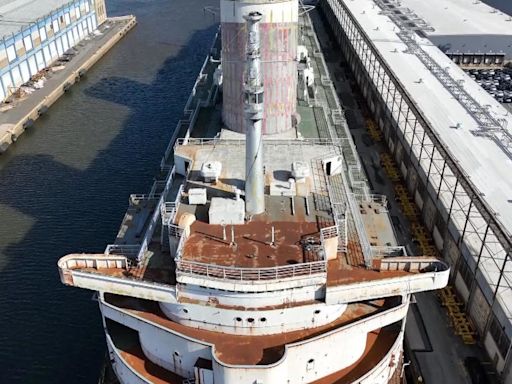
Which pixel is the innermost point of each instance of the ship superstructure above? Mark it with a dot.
(259, 257)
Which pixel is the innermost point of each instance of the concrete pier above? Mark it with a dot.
(24, 111)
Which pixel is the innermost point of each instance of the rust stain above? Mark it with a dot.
(135, 357)
(247, 350)
(253, 249)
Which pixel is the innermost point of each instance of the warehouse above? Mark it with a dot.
(470, 32)
(35, 33)
(453, 144)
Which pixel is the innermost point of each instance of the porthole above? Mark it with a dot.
(176, 353)
(263, 319)
(317, 312)
(238, 318)
(250, 320)
(185, 310)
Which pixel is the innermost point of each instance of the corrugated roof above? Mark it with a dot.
(15, 14)
(461, 17)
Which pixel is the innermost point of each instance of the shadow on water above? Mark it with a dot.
(50, 333)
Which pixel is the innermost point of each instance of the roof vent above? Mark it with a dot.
(211, 170)
(300, 170)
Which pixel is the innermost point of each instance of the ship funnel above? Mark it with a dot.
(253, 109)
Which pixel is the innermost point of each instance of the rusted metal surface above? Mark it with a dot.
(279, 52)
(252, 248)
(214, 302)
(378, 344)
(247, 350)
(138, 362)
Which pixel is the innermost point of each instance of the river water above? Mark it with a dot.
(64, 186)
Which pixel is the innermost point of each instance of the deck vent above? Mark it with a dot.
(210, 171)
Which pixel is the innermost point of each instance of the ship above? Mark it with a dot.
(260, 254)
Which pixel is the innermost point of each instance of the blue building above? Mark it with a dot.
(35, 33)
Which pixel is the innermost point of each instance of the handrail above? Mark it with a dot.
(385, 251)
(413, 264)
(241, 142)
(129, 250)
(194, 268)
(156, 216)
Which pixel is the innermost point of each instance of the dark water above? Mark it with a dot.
(64, 186)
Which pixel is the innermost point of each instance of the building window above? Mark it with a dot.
(77, 12)
(11, 53)
(499, 336)
(68, 18)
(27, 41)
(55, 26)
(42, 34)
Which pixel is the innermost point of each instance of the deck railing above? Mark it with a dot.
(413, 264)
(386, 251)
(128, 250)
(249, 274)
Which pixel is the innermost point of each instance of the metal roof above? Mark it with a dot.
(484, 161)
(460, 17)
(15, 14)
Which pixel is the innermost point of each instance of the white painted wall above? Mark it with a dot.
(302, 362)
(172, 352)
(264, 322)
(123, 371)
(253, 300)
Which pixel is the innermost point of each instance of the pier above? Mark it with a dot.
(21, 113)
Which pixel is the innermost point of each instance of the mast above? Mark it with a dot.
(253, 110)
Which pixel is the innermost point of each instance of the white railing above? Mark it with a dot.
(148, 236)
(187, 110)
(386, 251)
(361, 230)
(92, 261)
(336, 142)
(168, 212)
(413, 264)
(130, 251)
(192, 268)
(175, 231)
(170, 208)
(373, 198)
(328, 233)
(136, 198)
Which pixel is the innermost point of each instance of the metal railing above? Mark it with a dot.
(381, 200)
(386, 251)
(337, 142)
(130, 251)
(361, 230)
(192, 268)
(136, 198)
(488, 125)
(169, 209)
(413, 264)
